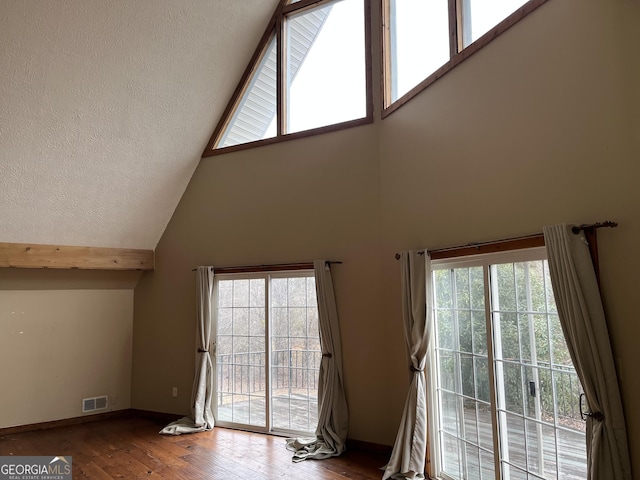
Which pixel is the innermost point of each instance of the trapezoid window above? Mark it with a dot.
(423, 39)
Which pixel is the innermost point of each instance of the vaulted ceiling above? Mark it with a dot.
(105, 108)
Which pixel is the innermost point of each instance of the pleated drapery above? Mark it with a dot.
(409, 451)
(333, 418)
(202, 393)
(585, 329)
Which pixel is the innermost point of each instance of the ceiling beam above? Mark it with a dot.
(22, 255)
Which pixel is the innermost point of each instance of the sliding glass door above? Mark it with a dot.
(506, 391)
(267, 351)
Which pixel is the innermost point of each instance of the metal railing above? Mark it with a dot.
(244, 373)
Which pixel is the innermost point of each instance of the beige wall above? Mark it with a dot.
(60, 346)
(540, 127)
(297, 201)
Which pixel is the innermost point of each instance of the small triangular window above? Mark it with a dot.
(254, 117)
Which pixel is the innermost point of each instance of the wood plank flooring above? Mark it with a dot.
(131, 448)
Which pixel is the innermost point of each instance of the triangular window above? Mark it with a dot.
(310, 74)
(254, 116)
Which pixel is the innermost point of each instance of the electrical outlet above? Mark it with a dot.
(114, 399)
(174, 392)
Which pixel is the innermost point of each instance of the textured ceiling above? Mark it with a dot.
(105, 108)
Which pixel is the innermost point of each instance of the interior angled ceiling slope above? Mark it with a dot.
(106, 106)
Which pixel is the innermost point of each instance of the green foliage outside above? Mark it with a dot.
(529, 343)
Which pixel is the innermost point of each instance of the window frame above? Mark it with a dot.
(276, 26)
(462, 258)
(458, 53)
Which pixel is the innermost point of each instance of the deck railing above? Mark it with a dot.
(244, 373)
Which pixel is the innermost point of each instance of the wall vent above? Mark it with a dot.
(95, 403)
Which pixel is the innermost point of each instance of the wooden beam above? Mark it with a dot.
(22, 255)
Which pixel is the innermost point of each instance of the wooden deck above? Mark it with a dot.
(565, 454)
(299, 414)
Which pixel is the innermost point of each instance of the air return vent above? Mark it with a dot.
(95, 403)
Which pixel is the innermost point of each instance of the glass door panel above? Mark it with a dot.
(295, 354)
(241, 387)
(465, 428)
(538, 386)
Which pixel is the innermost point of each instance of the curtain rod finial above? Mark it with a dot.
(609, 224)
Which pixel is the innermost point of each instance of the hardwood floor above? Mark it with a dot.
(131, 448)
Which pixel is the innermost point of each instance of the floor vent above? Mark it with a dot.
(95, 403)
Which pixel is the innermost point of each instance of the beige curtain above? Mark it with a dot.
(333, 419)
(202, 393)
(409, 451)
(585, 329)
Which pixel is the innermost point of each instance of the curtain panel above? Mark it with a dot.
(409, 451)
(202, 394)
(333, 418)
(585, 329)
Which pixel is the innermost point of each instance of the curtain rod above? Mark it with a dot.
(535, 240)
(608, 224)
(276, 267)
